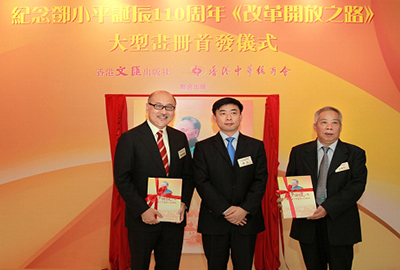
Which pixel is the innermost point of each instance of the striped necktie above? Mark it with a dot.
(163, 150)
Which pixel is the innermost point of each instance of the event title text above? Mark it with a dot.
(192, 13)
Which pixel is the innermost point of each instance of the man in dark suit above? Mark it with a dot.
(327, 237)
(137, 158)
(231, 189)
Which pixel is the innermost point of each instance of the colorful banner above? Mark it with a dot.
(58, 59)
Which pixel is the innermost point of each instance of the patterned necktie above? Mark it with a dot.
(230, 148)
(323, 174)
(163, 151)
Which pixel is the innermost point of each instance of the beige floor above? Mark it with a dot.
(193, 262)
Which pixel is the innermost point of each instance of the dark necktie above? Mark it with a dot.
(323, 174)
(163, 150)
(230, 148)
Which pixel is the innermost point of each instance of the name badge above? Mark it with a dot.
(343, 167)
(182, 153)
(246, 161)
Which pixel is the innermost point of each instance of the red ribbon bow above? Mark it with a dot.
(288, 197)
(153, 198)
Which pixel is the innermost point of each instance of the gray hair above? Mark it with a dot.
(327, 108)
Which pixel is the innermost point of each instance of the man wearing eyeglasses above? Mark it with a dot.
(139, 156)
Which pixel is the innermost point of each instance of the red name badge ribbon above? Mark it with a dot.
(288, 197)
(153, 198)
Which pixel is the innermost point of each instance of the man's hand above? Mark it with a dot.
(236, 215)
(181, 212)
(279, 201)
(148, 216)
(319, 213)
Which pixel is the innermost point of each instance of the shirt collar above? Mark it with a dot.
(224, 136)
(155, 129)
(332, 146)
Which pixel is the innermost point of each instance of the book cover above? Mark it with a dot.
(164, 195)
(298, 196)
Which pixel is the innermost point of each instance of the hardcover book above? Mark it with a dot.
(164, 195)
(298, 196)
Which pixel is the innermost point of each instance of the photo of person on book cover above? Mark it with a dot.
(164, 188)
(295, 184)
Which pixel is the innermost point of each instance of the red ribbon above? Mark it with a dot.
(153, 198)
(288, 197)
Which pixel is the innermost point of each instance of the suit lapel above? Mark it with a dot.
(173, 148)
(241, 145)
(311, 159)
(220, 145)
(340, 155)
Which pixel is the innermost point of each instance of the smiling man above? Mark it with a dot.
(230, 171)
(339, 177)
(153, 149)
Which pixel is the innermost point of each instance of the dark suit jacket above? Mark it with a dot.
(222, 185)
(136, 158)
(344, 189)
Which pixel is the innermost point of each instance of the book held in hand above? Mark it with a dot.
(164, 195)
(298, 196)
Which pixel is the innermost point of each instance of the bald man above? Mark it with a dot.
(137, 158)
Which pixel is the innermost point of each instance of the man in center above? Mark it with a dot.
(230, 171)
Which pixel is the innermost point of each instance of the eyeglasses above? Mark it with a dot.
(159, 107)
